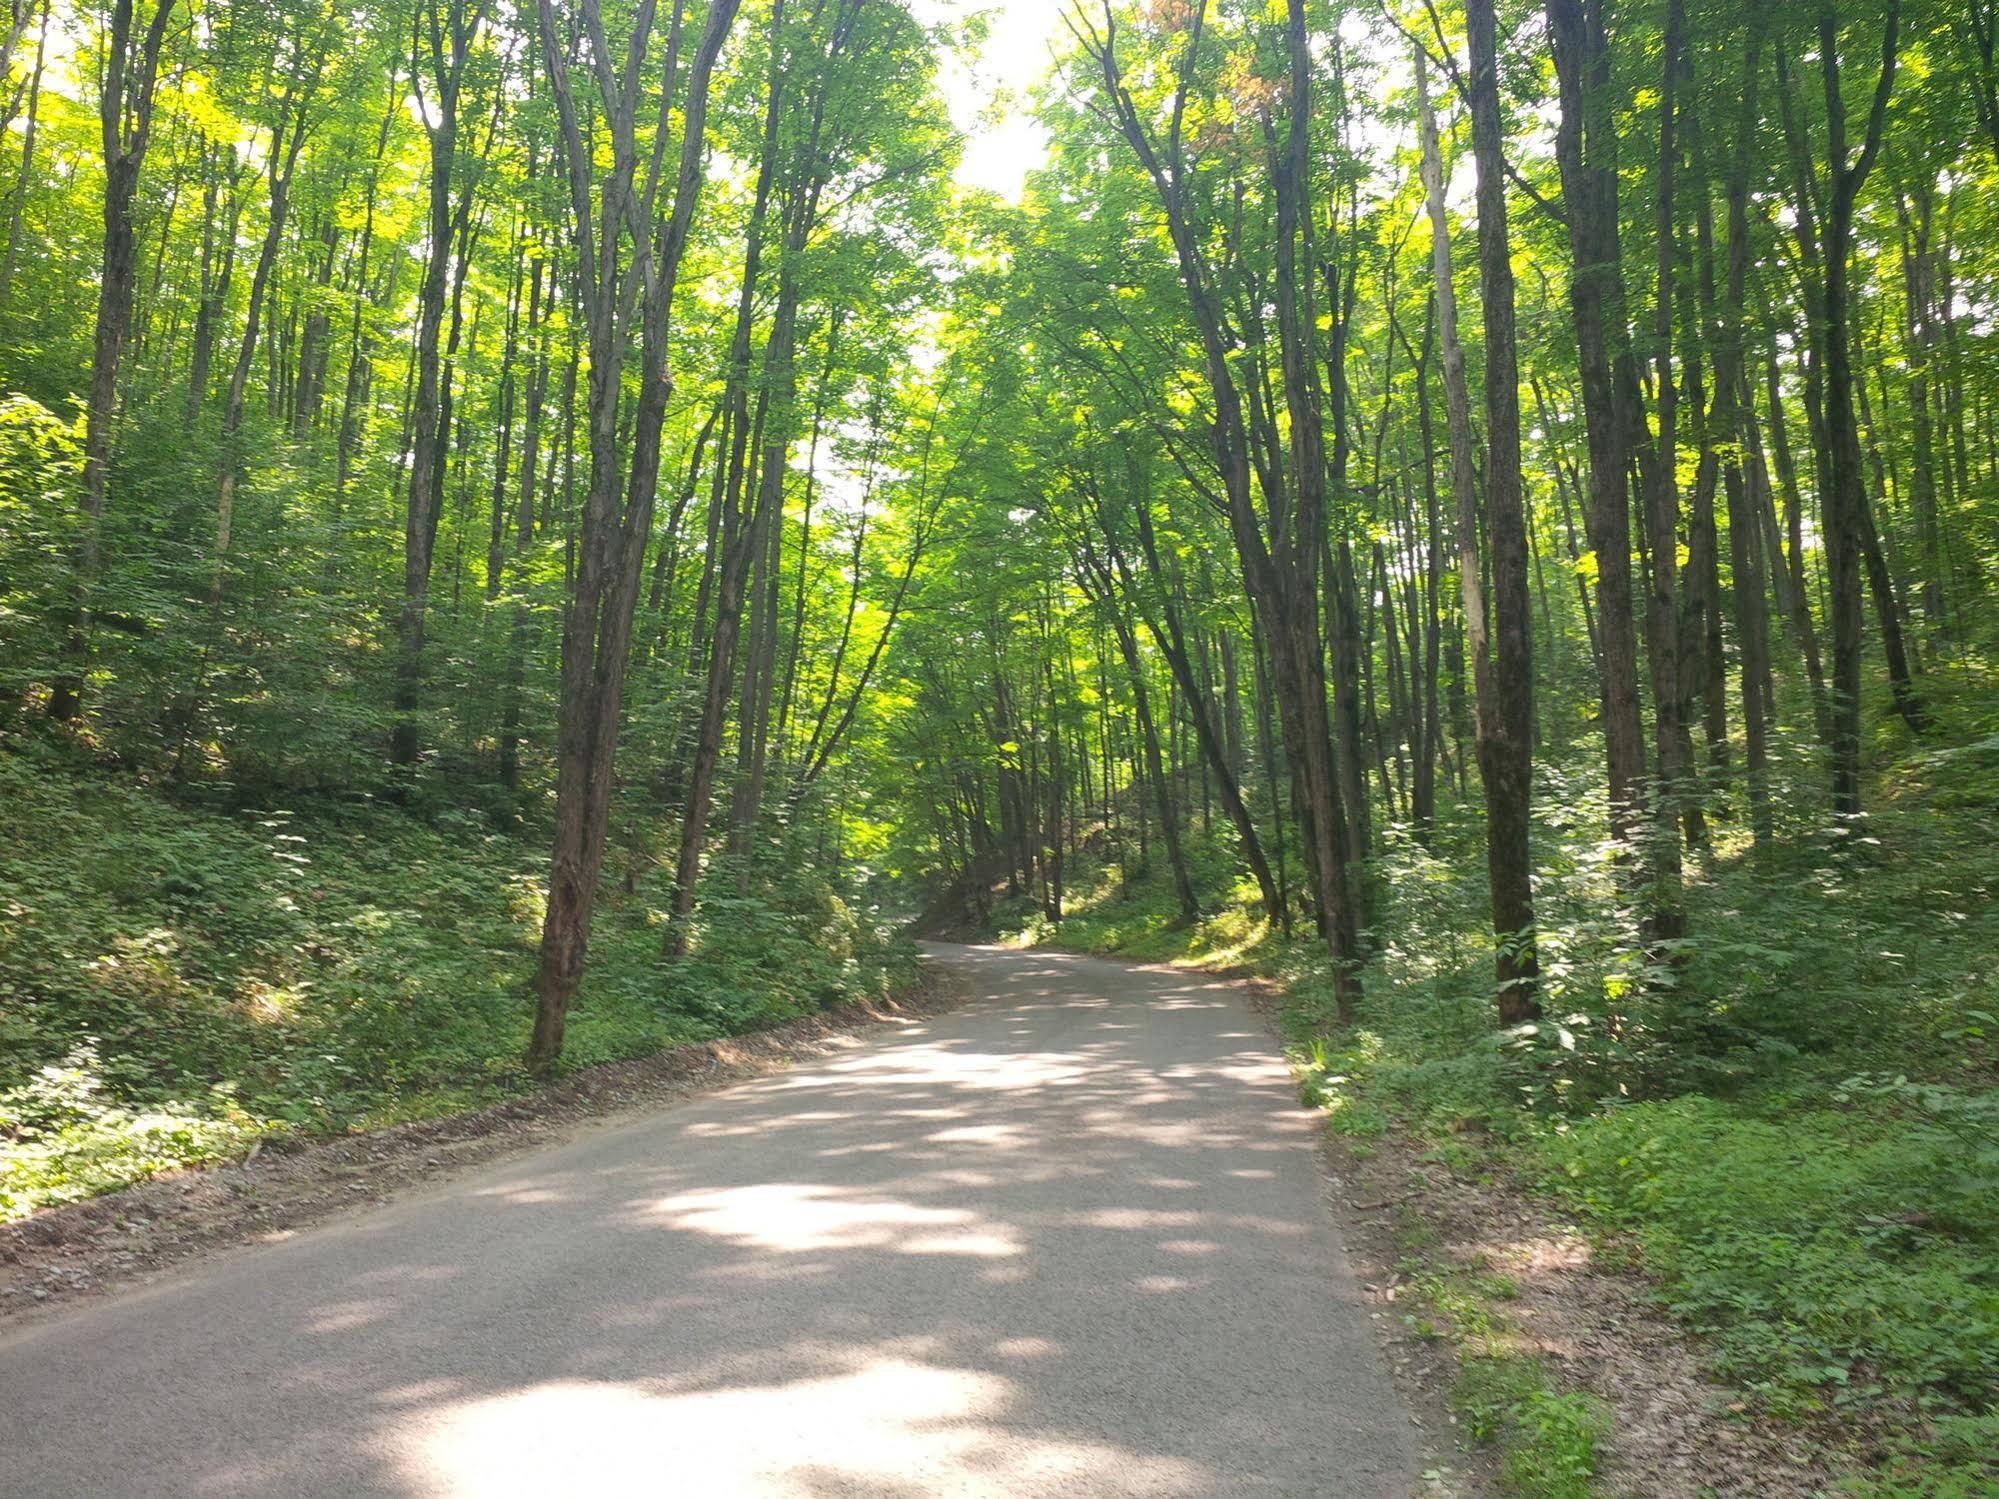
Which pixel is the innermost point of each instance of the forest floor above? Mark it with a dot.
(1507, 1309)
(133, 1236)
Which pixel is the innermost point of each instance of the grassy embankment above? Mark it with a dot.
(180, 981)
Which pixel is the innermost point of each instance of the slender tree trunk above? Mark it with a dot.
(737, 538)
(1506, 732)
(524, 527)
(1733, 414)
(1845, 502)
(360, 341)
(1919, 346)
(448, 30)
(617, 517)
(1170, 637)
(287, 137)
(503, 441)
(1279, 571)
(1786, 552)
(1596, 303)
(316, 339)
(125, 114)
(27, 177)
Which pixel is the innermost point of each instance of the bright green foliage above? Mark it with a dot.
(1549, 1442)
(177, 980)
(280, 869)
(1842, 1253)
(39, 457)
(962, 596)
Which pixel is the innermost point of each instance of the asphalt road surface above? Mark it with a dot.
(1067, 1240)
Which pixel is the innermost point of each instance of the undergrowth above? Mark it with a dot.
(1549, 1440)
(178, 981)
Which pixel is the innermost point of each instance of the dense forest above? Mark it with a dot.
(531, 532)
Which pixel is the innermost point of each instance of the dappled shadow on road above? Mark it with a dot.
(1054, 1243)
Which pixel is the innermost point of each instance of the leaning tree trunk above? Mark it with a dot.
(615, 524)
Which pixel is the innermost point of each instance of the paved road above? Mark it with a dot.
(1067, 1240)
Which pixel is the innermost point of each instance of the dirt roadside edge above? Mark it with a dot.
(1678, 1434)
(63, 1256)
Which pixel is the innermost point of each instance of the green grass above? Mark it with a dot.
(1549, 1441)
(1797, 1142)
(1832, 1256)
(179, 981)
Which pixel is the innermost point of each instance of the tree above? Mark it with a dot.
(628, 258)
(1831, 201)
(131, 70)
(1505, 689)
(445, 41)
(1279, 550)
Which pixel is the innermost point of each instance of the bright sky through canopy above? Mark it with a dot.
(986, 88)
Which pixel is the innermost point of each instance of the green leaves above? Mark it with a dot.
(1810, 1248)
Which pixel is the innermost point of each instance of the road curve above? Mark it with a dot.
(1068, 1240)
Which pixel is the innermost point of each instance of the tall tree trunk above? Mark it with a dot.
(1280, 566)
(1506, 712)
(801, 211)
(1170, 637)
(215, 279)
(738, 535)
(766, 535)
(360, 340)
(448, 31)
(793, 651)
(1785, 546)
(503, 439)
(597, 631)
(1845, 502)
(125, 115)
(1677, 806)
(316, 341)
(523, 529)
(1733, 416)
(1596, 306)
(1919, 345)
(18, 206)
(287, 138)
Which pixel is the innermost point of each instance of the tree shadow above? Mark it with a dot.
(1067, 1240)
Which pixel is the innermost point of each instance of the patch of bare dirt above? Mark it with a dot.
(131, 1237)
(1678, 1435)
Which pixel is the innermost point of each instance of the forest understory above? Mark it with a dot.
(212, 980)
(176, 1215)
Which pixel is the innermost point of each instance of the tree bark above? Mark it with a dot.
(1596, 306)
(597, 630)
(1506, 719)
(125, 117)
